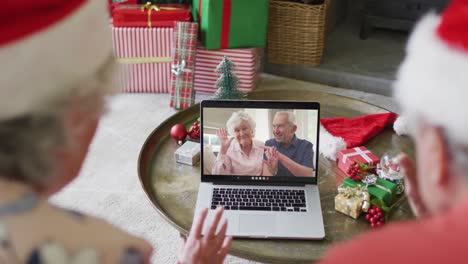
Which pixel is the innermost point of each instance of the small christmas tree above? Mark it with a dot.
(227, 82)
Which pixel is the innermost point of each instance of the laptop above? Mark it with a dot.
(266, 176)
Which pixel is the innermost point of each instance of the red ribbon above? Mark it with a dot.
(199, 16)
(226, 24)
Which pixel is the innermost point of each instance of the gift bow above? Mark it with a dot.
(357, 192)
(179, 69)
(371, 180)
(150, 7)
(359, 152)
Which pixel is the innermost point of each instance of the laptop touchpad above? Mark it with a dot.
(257, 224)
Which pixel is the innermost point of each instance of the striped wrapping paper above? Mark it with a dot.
(145, 55)
(247, 63)
(184, 49)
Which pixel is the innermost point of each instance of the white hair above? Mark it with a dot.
(291, 116)
(27, 141)
(236, 118)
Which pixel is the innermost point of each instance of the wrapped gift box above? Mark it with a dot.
(183, 65)
(232, 24)
(188, 153)
(358, 154)
(114, 3)
(149, 15)
(351, 200)
(247, 61)
(383, 189)
(145, 55)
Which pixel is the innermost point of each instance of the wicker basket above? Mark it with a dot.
(296, 32)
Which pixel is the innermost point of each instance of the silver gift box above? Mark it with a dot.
(188, 153)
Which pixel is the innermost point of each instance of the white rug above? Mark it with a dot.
(108, 185)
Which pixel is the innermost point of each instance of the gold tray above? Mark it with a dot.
(172, 187)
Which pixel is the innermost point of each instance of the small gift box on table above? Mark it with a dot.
(361, 155)
(183, 65)
(232, 23)
(380, 188)
(247, 61)
(188, 153)
(146, 56)
(352, 201)
(150, 15)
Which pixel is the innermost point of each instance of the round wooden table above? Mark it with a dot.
(172, 187)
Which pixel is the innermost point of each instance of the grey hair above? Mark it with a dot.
(236, 118)
(27, 142)
(291, 116)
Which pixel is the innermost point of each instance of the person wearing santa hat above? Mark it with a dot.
(56, 69)
(432, 88)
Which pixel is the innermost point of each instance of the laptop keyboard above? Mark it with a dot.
(259, 199)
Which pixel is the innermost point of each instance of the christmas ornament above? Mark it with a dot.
(357, 171)
(179, 132)
(228, 81)
(375, 216)
(194, 131)
(389, 169)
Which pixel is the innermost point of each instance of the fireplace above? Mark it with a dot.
(396, 14)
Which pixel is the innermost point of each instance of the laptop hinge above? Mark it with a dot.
(295, 184)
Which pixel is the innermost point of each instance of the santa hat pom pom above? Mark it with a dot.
(401, 126)
(330, 145)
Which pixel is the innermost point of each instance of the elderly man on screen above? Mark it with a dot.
(295, 156)
(432, 88)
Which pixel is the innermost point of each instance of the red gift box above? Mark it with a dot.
(358, 154)
(183, 65)
(114, 4)
(247, 61)
(150, 15)
(145, 56)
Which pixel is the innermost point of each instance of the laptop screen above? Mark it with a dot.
(259, 141)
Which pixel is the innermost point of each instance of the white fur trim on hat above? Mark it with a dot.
(49, 62)
(401, 126)
(433, 80)
(330, 145)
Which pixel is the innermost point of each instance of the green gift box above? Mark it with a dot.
(231, 23)
(383, 189)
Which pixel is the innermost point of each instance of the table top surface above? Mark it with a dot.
(172, 187)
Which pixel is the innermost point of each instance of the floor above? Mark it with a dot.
(350, 62)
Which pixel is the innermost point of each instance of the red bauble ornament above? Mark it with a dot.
(194, 132)
(178, 132)
(375, 217)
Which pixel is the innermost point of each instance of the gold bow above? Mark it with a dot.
(150, 7)
(357, 192)
(349, 192)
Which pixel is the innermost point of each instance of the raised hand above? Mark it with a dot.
(224, 140)
(411, 186)
(272, 155)
(211, 248)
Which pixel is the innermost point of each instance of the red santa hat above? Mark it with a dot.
(47, 46)
(432, 81)
(340, 133)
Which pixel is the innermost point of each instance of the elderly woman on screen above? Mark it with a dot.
(244, 155)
